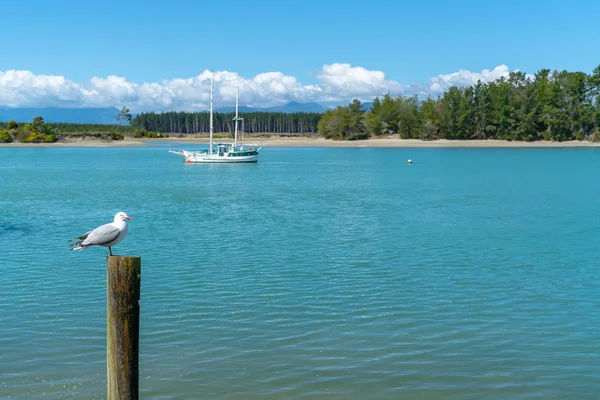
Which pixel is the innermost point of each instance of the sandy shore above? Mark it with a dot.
(80, 143)
(393, 142)
(311, 142)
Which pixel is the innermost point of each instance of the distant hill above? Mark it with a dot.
(242, 109)
(290, 107)
(333, 105)
(293, 106)
(55, 114)
(108, 115)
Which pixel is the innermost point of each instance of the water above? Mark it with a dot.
(317, 273)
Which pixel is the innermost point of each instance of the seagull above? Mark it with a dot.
(106, 235)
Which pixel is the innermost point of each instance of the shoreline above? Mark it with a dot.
(389, 142)
(80, 143)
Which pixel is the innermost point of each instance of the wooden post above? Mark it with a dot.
(122, 326)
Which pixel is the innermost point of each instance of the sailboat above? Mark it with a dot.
(223, 152)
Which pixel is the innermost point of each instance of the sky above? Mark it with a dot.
(156, 55)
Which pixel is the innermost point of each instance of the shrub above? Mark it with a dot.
(140, 133)
(40, 138)
(21, 135)
(33, 138)
(116, 136)
(12, 125)
(5, 136)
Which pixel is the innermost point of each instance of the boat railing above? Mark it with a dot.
(252, 146)
(177, 151)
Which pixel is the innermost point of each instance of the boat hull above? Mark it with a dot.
(237, 160)
(203, 158)
(194, 157)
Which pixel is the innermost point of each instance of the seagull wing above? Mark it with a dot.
(101, 236)
(80, 238)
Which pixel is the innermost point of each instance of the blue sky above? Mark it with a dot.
(410, 42)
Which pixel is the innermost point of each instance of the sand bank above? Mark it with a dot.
(80, 143)
(390, 142)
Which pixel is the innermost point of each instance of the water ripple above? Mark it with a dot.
(336, 273)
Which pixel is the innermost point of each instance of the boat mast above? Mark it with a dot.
(237, 96)
(212, 82)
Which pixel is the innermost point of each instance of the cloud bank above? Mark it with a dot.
(337, 83)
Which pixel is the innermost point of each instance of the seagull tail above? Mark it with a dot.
(77, 246)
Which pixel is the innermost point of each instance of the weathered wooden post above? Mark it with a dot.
(123, 326)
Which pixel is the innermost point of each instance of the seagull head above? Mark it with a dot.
(121, 216)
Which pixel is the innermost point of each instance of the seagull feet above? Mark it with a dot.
(110, 250)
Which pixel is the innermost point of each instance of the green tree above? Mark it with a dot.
(356, 129)
(124, 115)
(332, 124)
(5, 136)
(409, 118)
(501, 109)
(383, 117)
(559, 126)
(356, 107)
(594, 93)
(38, 124)
(481, 111)
(452, 113)
(430, 119)
(344, 123)
(373, 120)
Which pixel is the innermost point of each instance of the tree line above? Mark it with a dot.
(38, 131)
(253, 122)
(553, 106)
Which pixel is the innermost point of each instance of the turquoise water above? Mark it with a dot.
(316, 273)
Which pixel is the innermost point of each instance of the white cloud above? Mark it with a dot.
(342, 82)
(441, 83)
(25, 88)
(336, 83)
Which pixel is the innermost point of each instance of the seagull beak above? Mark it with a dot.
(127, 217)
